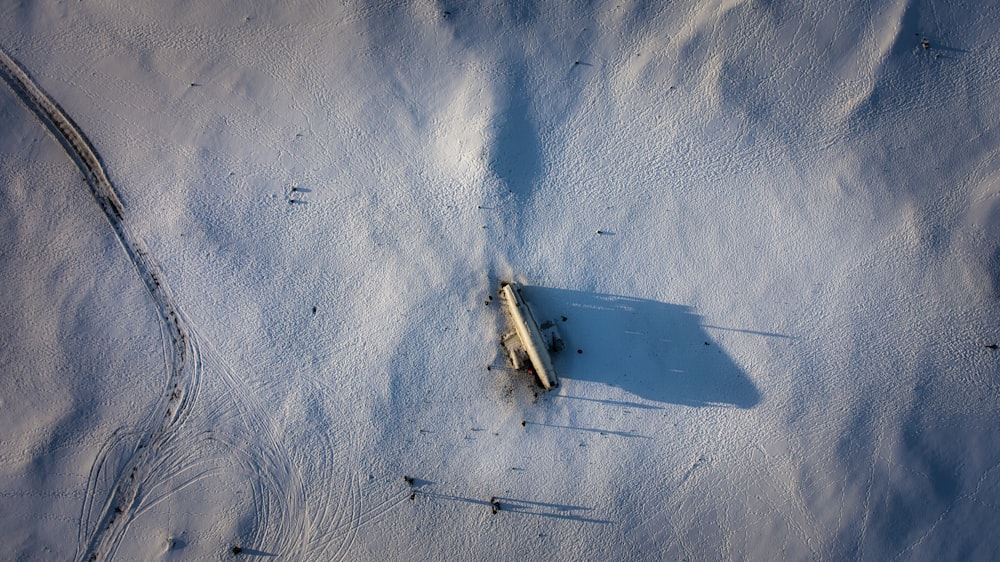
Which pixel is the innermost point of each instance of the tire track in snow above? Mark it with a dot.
(333, 526)
(103, 525)
(138, 468)
(280, 496)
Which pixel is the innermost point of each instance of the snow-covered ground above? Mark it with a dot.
(773, 231)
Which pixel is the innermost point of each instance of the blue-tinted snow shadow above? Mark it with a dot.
(568, 512)
(251, 552)
(657, 351)
(516, 154)
(993, 268)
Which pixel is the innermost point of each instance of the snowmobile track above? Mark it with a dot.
(136, 468)
(102, 527)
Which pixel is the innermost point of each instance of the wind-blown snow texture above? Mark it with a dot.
(773, 232)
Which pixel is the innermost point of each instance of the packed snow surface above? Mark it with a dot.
(769, 233)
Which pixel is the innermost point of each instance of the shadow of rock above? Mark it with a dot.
(551, 510)
(506, 505)
(176, 544)
(251, 552)
(657, 351)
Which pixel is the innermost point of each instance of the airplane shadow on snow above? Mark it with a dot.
(657, 351)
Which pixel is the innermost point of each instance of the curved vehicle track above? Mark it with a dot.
(137, 467)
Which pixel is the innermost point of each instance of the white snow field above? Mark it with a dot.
(769, 233)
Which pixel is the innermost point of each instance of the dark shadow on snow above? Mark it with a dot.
(589, 430)
(516, 156)
(750, 332)
(420, 482)
(245, 553)
(176, 544)
(933, 43)
(616, 403)
(524, 507)
(993, 268)
(551, 510)
(658, 351)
